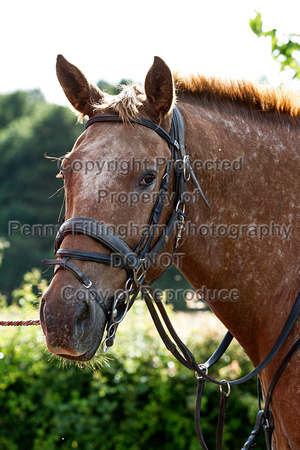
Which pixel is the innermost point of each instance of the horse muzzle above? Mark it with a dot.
(73, 327)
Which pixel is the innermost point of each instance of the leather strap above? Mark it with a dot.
(179, 136)
(157, 249)
(101, 234)
(113, 260)
(219, 351)
(251, 441)
(64, 263)
(141, 121)
(200, 389)
(187, 358)
(221, 420)
(264, 417)
(279, 371)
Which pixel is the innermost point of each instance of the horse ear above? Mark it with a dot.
(80, 93)
(159, 88)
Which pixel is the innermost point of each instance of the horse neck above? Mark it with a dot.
(240, 178)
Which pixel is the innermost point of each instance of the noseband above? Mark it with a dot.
(136, 262)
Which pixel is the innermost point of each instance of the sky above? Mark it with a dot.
(115, 39)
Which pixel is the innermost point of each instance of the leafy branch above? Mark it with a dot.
(281, 51)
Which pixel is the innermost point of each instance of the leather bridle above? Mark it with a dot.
(136, 264)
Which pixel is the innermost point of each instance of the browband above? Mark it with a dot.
(145, 122)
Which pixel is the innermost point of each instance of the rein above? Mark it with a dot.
(137, 262)
(185, 357)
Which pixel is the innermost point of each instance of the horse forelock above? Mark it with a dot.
(213, 91)
(126, 104)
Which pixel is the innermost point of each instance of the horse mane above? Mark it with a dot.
(260, 97)
(210, 92)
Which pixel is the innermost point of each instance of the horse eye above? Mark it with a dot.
(148, 179)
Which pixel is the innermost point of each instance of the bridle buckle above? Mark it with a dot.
(180, 225)
(139, 274)
(186, 166)
(87, 283)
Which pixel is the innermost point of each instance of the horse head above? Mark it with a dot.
(113, 177)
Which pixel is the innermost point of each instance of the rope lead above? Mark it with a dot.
(18, 323)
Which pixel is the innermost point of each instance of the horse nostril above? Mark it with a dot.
(83, 313)
(82, 317)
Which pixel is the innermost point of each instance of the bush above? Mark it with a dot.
(140, 398)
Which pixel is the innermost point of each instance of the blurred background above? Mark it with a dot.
(140, 398)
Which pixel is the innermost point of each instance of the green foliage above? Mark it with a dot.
(141, 398)
(3, 245)
(174, 286)
(110, 88)
(32, 287)
(282, 50)
(31, 129)
(18, 104)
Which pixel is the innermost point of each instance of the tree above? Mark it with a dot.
(283, 49)
(30, 128)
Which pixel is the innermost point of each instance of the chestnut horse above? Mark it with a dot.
(241, 254)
